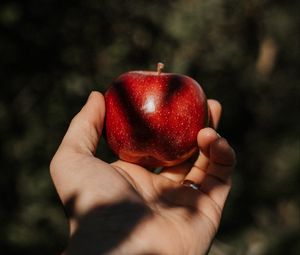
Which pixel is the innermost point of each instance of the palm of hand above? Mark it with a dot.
(141, 206)
(188, 216)
(122, 208)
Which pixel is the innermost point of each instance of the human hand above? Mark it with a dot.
(122, 208)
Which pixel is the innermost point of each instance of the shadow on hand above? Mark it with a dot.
(104, 228)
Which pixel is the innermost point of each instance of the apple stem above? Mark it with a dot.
(160, 66)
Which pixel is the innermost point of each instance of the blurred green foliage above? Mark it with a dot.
(244, 53)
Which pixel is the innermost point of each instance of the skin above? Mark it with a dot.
(121, 208)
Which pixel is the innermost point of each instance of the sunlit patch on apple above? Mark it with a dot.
(149, 105)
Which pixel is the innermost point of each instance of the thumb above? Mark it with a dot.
(86, 127)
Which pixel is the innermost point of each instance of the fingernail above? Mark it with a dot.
(219, 135)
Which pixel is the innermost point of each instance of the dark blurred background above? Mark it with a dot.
(244, 53)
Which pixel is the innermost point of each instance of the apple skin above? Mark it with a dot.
(153, 118)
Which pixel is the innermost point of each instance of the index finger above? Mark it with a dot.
(217, 181)
(178, 173)
(215, 110)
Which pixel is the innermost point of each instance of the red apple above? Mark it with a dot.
(153, 118)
